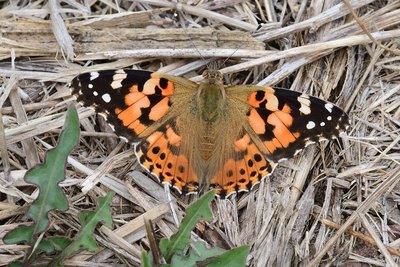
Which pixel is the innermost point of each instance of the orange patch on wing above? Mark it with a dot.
(286, 109)
(242, 143)
(132, 113)
(284, 118)
(256, 103)
(169, 90)
(159, 110)
(256, 122)
(132, 98)
(172, 137)
(154, 137)
(137, 126)
(117, 111)
(177, 171)
(134, 88)
(270, 145)
(253, 101)
(281, 132)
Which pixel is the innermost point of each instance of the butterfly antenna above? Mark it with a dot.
(239, 47)
(231, 55)
(190, 38)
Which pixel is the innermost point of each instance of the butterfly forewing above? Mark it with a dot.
(131, 100)
(286, 121)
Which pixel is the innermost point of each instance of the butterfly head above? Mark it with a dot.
(212, 76)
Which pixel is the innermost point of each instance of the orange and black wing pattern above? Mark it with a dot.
(130, 100)
(287, 121)
(138, 106)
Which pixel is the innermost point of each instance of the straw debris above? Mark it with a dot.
(336, 203)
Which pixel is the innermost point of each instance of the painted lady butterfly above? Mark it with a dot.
(189, 135)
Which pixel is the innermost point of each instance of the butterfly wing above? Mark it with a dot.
(142, 107)
(277, 124)
(287, 121)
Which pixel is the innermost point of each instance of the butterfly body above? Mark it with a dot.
(194, 135)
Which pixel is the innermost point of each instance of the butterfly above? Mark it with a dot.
(191, 135)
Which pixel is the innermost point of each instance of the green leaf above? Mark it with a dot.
(52, 172)
(19, 234)
(198, 253)
(198, 210)
(233, 258)
(145, 259)
(47, 177)
(89, 220)
(53, 244)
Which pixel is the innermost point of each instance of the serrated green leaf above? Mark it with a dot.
(233, 258)
(198, 252)
(89, 220)
(46, 177)
(198, 210)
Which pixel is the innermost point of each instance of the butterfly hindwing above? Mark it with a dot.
(160, 153)
(243, 169)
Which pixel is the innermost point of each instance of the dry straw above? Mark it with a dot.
(336, 203)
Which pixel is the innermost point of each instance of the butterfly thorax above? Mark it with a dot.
(211, 96)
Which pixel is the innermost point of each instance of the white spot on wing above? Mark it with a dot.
(120, 71)
(322, 124)
(310, 125)
(90, 86)
(118, 77)
(106, 98)
(305, 102)
(95, 93)
(94, 75)
(116, 84)
(329, 107)
(329, 118)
